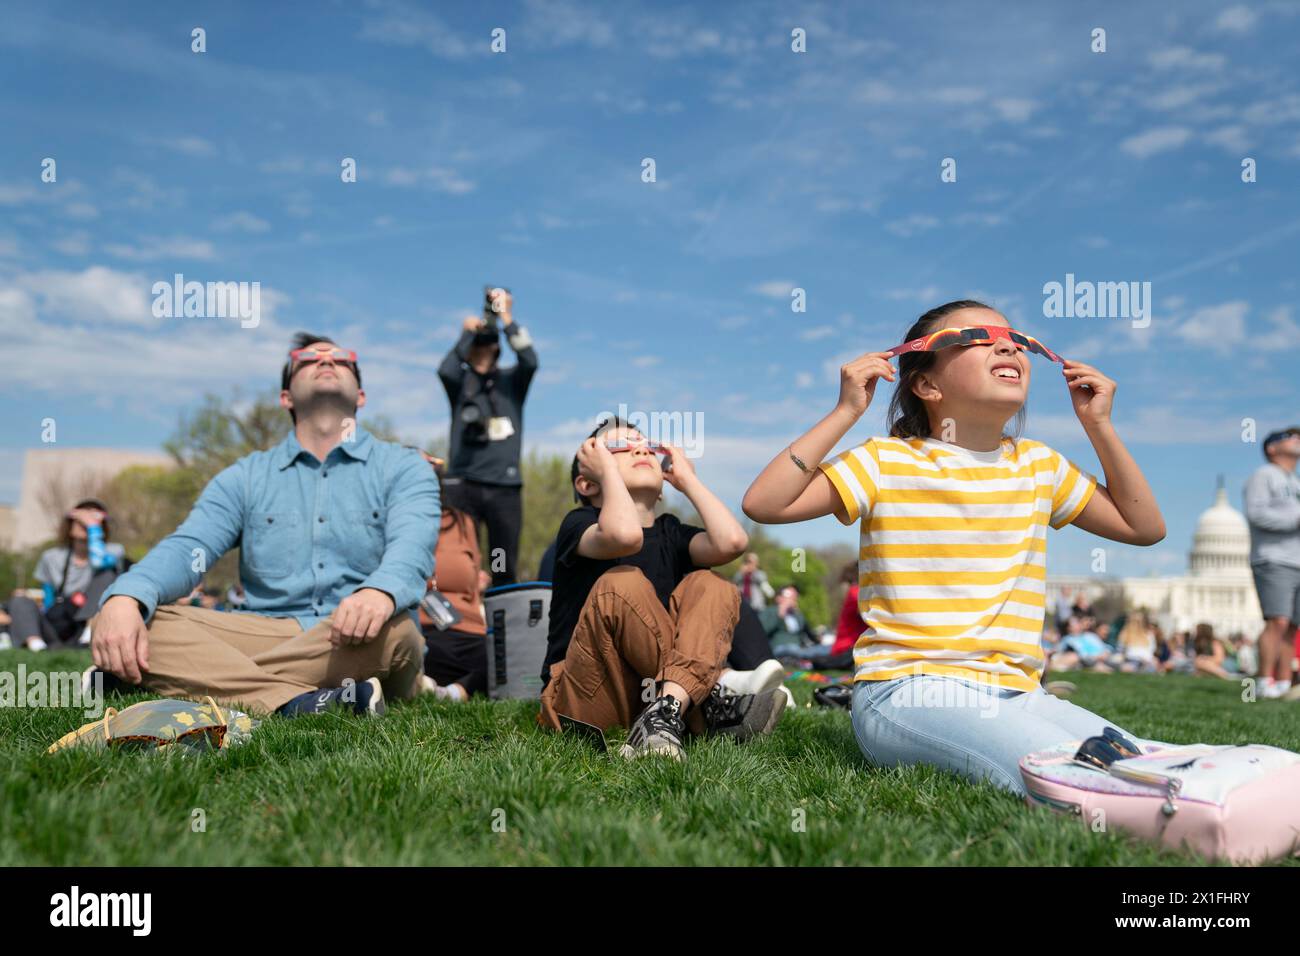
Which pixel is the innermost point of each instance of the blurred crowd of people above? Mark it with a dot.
(1075, 638)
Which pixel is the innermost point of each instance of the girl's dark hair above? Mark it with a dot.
(849, 573)
(1203, 639)
(65, 525)
(459, 519)
(907, 417)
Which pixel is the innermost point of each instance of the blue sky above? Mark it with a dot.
(774, 169)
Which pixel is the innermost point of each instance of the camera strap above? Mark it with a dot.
(63, 581)
(479, 387)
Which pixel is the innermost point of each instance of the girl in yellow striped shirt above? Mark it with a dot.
(954, 515)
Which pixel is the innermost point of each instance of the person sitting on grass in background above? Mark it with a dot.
(1247, 655)
(1137, 644)
(455, 658)
(755, 590)
(848, 627)
(787, 628)
(336, 533)
(953, 540)
(1182, 655)
(639, 629)
(205, 596)
(1082, 648)
(1210, 659)
(73, 576)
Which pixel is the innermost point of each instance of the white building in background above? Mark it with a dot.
(54, 477)
(1218, 588)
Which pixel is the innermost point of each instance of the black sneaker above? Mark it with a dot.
(659, 730)
(363, 697)
(109, 682)
(742, 715)
(834, 695)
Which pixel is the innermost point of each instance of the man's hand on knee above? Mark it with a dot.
(119, 641)
(360, 616)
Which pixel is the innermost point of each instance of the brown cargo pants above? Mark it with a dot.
(625, 638)
(263, 662)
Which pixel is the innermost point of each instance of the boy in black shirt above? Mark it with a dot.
(635, 617)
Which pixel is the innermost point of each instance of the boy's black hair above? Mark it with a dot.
(300, 341)
(606, 424)
(906, 416)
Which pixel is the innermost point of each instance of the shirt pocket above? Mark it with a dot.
(271, 541)
(364, 538)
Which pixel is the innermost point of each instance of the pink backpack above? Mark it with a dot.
(1240, 803)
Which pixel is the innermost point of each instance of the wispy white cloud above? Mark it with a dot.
(1234, 139)
(929, 293)
(81, 210)
(1236, 19)
(563, 23)
(157, 248)
(1180, 95)
(1014, 109)
(1219, 328)
(241, 221)
(439, 178)
(403, 24)
(195, 146)
(774, 288)
(1153, 141)
(817, 332)
(1185, 58)
(958, 95)
(94, 294)
(912, 225)
(73, 243)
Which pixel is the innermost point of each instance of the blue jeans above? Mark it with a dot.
(973, 729)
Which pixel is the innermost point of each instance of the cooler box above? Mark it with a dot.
(518, 617)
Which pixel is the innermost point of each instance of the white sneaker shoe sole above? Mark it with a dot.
(628, 752)
(766, 676)
(376, 707)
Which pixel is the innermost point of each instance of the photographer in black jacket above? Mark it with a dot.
(487, 422)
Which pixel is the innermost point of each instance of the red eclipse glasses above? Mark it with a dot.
(975, 335)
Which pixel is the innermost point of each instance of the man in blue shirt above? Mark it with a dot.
(336, 532)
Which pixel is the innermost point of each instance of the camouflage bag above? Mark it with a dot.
(156, 724)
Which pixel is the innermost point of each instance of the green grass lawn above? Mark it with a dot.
(425, 784)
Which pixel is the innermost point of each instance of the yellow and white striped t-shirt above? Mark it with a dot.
(953, 561)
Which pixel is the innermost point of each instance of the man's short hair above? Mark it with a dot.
(1278, 436)
(300, 341)
(606, 424)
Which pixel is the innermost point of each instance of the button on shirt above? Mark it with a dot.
(309, 532)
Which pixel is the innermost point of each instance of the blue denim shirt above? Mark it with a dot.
(309, 532)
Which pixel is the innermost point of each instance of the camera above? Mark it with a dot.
(491, 310)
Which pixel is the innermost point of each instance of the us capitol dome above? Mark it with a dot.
(1218, 588)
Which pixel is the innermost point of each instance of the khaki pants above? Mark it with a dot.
(264, 662)
(625, 637)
